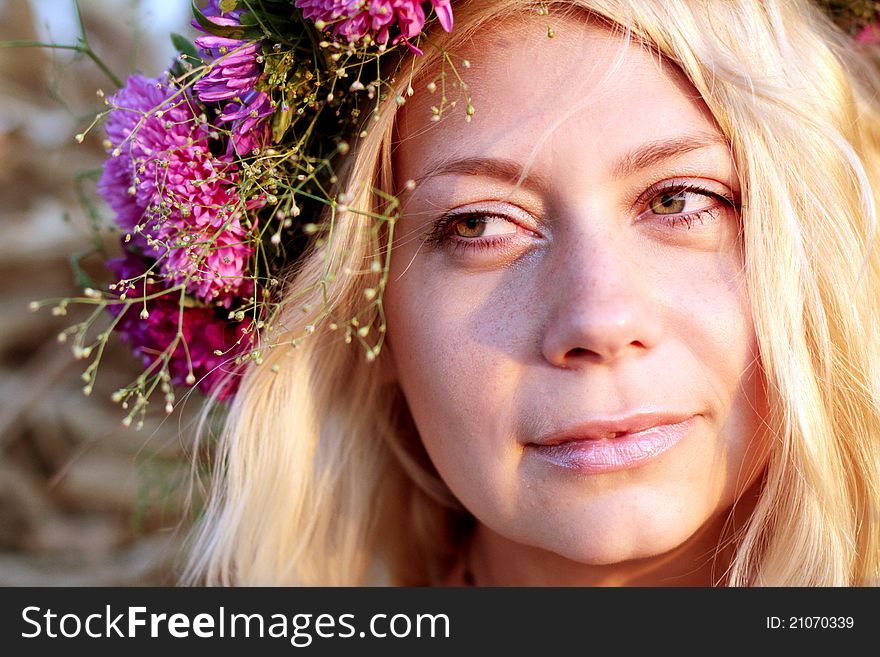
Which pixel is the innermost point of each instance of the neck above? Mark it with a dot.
(702, 560)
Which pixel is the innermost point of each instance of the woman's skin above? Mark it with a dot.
(605, 289)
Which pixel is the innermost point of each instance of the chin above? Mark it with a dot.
(613, 537)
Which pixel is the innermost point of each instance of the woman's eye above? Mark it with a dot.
(685, 214)
(474, 231)
(680, 202)
(482, 226)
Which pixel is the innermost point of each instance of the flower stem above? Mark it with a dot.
(82, 48)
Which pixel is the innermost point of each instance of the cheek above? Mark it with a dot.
(706, 313)
(449, 333)
(712, 323)
(456, 375)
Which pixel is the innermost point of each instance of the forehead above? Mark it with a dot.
(588, 89)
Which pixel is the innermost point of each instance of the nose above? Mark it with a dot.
(602, 306)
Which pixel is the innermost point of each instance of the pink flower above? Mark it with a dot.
(170, 192)
(869, 34)
(354, 19)
(211, 263)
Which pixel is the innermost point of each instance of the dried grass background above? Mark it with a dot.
(83, 501)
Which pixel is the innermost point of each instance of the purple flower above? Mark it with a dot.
(235, 70)
(203, 332)
(231, 81)
(115, 185)
(354, 19)
(144, 124)
(249, 130)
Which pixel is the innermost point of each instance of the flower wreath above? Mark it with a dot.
(218, 170)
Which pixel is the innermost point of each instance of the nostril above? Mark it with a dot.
(583, 351)
(579, 353)
(580, 337)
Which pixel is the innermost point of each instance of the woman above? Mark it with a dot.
(628, 320)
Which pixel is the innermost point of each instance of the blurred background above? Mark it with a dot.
(83, 500)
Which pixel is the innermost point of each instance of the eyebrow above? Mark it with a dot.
(499, 169)
(655, 152)
(639, 158)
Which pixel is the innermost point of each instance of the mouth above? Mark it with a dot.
(601, 446)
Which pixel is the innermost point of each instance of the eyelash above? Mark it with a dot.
(441, 233)
(688, 218)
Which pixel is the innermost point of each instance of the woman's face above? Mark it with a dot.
(576, 350)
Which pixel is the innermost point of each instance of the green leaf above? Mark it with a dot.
(227, 31)
(280, 123)
(185, 46)
(228, 5)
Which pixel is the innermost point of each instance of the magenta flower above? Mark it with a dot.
(169, 191)
(869, 34)
(355, 19)
(211, 263)
(203, 332)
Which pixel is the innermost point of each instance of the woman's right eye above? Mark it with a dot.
(482, 226)
(472, 231)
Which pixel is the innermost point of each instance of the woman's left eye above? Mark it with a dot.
(681, 206)
(681, 201)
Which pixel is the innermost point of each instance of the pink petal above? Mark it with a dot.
(870, 34)
(444, 13)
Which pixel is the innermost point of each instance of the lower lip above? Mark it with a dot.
(611, 454)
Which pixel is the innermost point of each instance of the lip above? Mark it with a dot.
(600, 446)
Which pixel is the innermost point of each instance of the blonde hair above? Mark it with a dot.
(320, 476)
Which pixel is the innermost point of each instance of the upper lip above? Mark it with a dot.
(598, 429)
